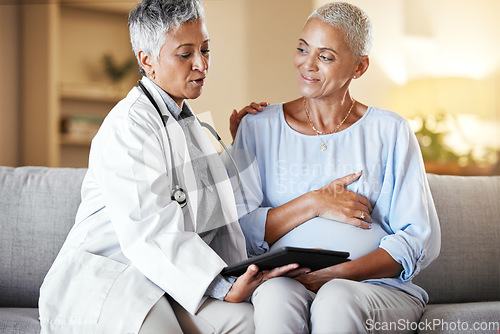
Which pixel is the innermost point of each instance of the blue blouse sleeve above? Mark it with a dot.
(219, 287)
(409, 210)
(249, 196)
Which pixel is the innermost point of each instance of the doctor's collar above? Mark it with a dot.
(173, 107)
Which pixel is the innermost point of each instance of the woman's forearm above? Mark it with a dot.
(284, 218)
(377, 264)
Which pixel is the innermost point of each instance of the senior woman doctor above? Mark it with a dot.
(134, 241)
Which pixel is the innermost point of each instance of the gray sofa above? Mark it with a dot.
(38, 206)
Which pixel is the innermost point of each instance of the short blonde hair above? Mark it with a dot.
(353, 21)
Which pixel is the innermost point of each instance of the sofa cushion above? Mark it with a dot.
(37, 209)
(467, 268)
(19, 321)
(461, 318)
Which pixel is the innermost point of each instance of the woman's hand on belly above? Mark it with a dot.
(377, 264)
(335, 202)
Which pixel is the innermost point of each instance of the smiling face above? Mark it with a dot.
(324, 63)
(183, 61)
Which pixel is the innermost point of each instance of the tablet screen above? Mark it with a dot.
(314, 259)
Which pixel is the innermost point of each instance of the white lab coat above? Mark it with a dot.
(131, 243)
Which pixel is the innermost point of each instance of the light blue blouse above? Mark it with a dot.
(278, 164)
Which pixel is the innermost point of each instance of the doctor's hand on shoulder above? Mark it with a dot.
(246, 284)
(236, 116)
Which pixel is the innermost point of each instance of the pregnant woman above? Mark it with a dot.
(327, 171)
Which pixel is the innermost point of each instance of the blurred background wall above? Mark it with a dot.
(10, 111)
(435, 62)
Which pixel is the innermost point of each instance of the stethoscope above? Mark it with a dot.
(178, 194)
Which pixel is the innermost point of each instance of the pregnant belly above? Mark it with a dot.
(333, 235)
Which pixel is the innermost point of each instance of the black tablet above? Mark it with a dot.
(314, 259)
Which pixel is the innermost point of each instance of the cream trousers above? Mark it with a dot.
(283, 305)
(214, 316)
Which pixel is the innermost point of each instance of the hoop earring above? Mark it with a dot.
(151, 75)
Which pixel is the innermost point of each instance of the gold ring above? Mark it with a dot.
(362, 215)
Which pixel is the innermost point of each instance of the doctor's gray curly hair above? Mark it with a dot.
(152, 19)
(353, 21)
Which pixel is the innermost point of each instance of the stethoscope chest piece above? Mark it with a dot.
(179, 196)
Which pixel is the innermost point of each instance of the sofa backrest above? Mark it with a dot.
(37, 209)
(468, 267)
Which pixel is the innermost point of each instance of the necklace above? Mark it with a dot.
(318, 133)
